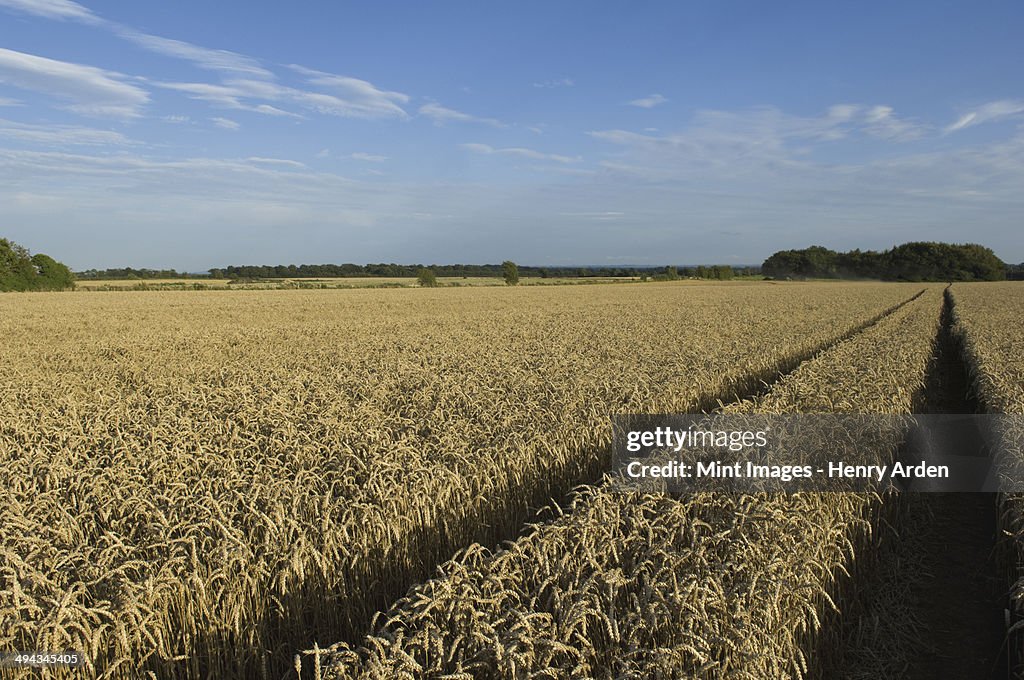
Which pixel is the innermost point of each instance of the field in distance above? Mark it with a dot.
(326, 282)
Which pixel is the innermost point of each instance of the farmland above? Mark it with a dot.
(988, 321)
(676, 588)
(206, 484)
(326, 283)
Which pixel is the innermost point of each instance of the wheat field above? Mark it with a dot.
(989, 321)
(649, 586)
(222, 484)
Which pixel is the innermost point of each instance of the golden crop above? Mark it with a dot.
(647, 586)
(201, 483)
(989, 320)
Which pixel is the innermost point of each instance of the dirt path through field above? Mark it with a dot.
(934, 608)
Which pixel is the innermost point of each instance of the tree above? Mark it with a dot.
(53, 275)
(721, 272)
(671, 273)
(20, 271)
(426, 278)
(16, 270)
(815, 262)
(919, 261)
(510, 271)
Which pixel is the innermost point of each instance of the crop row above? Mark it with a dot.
(200, 484)
(988, 321)
(647, 585)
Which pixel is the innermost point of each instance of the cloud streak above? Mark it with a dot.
(442, 115)
(518, 151)
(743, 139)
(282, 162)
(368, 157)
(91, 91)
(245, 77)
(555, 83)
(649, 102)
(216, 60)
(52, 9)
(362, 99)
(988, 113)
(880, 122)
(226, 123)
(62, 135)
(203, 57)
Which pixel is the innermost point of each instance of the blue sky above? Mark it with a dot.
(197, 134)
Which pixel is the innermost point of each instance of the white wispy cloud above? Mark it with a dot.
(988, 113)
(226, 123)
(4, 101)
(247, 84)
(62, 135)
(442, 114)
(52, 9)
(764, 134)
(880, 122)
(285, 162)
(92, 91)
(360, 96)
(220, 95)
(648, 102)
(369, 157)
(518, 151)
(203, 57)
(268, 110)
(625, 137)
(607, 215)
(842, 113)
(243, 94)
(564, 170)
(551, 84)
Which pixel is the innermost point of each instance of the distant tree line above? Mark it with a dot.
(718, 272)
(919, 261)
(461, 270)
(22, 271)
(127, 273)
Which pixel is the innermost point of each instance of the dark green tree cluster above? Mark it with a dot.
(21, 271)
(349, 270)
(426, 278)
(123, 273)
(918, 261)
(510, 272)
(719, 272)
